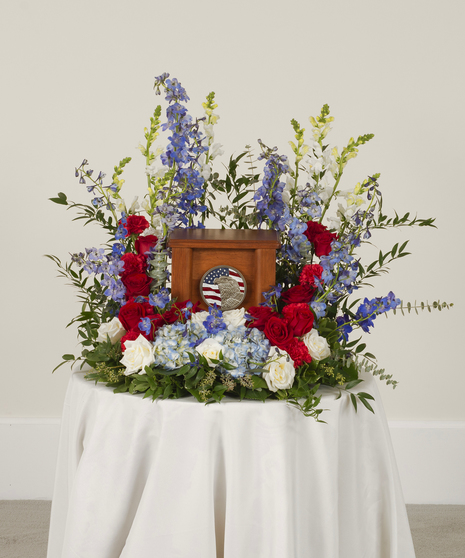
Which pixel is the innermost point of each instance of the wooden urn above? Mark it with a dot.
(207, 262)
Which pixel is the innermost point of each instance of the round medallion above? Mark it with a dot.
(224, 286)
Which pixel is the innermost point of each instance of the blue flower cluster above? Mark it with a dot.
(340, 270)
(310, 202)
(214, 322)
(367, 312)
(171, 346)
(109, 266)
(245, 348)
(272, 209)
(242, 347)
(186, 143)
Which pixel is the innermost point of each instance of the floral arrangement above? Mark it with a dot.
(137, 339)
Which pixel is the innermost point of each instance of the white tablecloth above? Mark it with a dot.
(179, 479)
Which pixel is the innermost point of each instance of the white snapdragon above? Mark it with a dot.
(281, 371)
(112, 329)
(215, 150)
(138, 355)
(317, 345)
(134, 205)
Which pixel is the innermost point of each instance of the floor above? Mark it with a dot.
(437, 531)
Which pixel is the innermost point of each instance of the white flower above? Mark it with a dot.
(210, 348)
(281, 370)
(138, 355)
(317, 346)
(120, 205)
(113, 329)
(334, 223)
(216, 150)
(234, 318)
(199, 317)
(208, 129)
(134, 205)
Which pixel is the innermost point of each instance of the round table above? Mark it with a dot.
(179, 479)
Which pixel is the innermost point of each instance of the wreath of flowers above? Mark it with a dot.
(137, 339)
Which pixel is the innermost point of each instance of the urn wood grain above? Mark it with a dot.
(195, 251)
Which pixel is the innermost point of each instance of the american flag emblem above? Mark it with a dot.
(211, 290)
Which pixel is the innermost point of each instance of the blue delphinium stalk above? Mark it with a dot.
(186, 144)
(109, 266)
(272, 209)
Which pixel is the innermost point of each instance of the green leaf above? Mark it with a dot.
(365, 395)
(68, 357)
(353, 383)
(354, 401)
(61, 199)
(365, 403)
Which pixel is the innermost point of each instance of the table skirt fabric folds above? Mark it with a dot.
(179, 479)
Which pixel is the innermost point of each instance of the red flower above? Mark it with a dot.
(133, 263)
(130, 336)
(308, 274)
(174, 313)
(144, 243)
(320, 237)
(136, 224)
(131, 313)
(299, 317)
(298, 351)
(278, 332)
(261, 315)
(299, 293)
(137, 284)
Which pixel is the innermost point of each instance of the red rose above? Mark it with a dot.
(309, 272)
(261, 315)
(130, 336)
(278, 332)
(320, 237)
(133, 263)
(131, 313)
(137, 284)
(174, 313)
(299, 317)
(136, 224)
(299, 293)
(144, 243)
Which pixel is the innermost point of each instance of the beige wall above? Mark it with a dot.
(77, 82)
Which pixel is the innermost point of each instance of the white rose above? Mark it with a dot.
(317, 346)
(210, 348)
(138, 355)
(234, 318)
(281, 370)
(113, 329)
(199, 317)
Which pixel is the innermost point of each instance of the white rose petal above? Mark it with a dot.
(113, 329)
(138, 355)
(210, 348)
(234, 318)
(317, 346)
(199, 317)
(281, 370)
